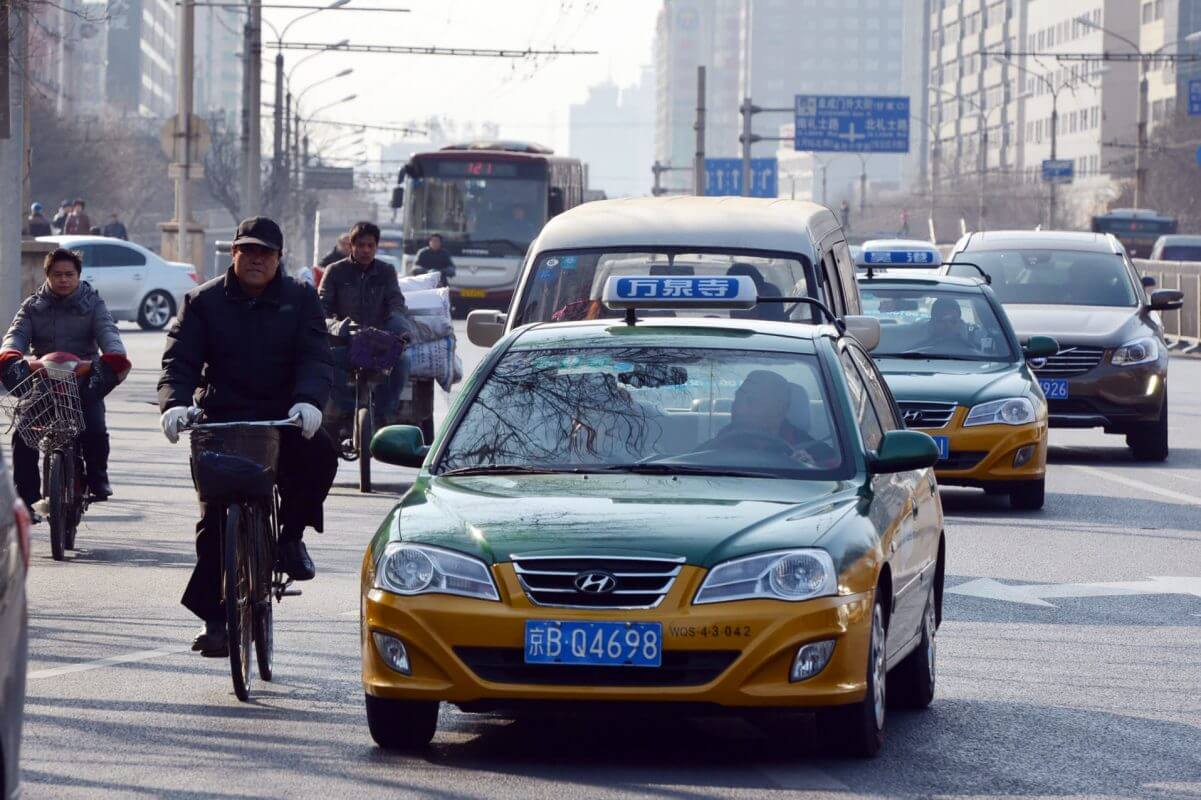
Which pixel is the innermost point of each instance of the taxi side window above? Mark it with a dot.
(832, 286)
(846, 274)
(865, 415)
(878, 391)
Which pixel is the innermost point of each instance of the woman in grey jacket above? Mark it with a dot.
(66, 315)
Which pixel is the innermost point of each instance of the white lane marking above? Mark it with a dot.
(1033, 593)
(1137, 484)
(84, 666)
(801, 777)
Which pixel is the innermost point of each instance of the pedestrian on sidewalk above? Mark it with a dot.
(78, 222)
(115, 228)
(37, 224)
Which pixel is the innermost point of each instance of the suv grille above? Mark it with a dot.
(680, 668)
(926, 413)
(1071, 361)
(606, 581)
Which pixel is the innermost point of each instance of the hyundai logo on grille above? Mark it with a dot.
(595, 582)
(1038, 363)
(912, 415)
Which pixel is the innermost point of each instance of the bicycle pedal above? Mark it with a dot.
(291, 592)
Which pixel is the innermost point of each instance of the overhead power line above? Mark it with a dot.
(1167, 58)
(391, 128)
(479, 52)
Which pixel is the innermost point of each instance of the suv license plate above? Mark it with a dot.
(607, 644)
(1054, 388)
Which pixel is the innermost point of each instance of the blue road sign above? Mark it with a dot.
(1199, 155)
(723, 176)
(1059, 170)
(852, 124)
(1194, 97)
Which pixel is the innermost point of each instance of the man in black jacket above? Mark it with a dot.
(363, 291)
(435, 259)
(252, 345)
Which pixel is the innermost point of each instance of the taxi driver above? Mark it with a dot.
(759, 417)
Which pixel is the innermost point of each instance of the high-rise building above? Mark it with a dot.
(218, 71)
(67, 43)
(141, 57)
(612, 133)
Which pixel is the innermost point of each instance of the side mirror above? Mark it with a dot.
(1148, 281)
(402, 445)
(901, 451)
(1166, 300)
(865, 329)
(486, 326)
(1040, 347)
(398, 197)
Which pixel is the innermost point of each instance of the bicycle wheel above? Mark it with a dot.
(264, 641)
(60, 509)
(239, 603)
(364, 428)
(76, 499)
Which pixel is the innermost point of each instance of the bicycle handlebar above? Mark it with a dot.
(195, 425)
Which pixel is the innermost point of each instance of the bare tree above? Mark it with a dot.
(222, 170)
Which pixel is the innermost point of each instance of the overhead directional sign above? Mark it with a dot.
(1194, 97)
(852, 124)
(723, 176)
(1058, 170)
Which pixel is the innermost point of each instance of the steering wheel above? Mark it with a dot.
(758, 441)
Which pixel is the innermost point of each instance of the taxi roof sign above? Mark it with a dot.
(680, 291)
(903, 253)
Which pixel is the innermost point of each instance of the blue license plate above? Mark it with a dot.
(1054, 388)
(944, 447)
(607, 644)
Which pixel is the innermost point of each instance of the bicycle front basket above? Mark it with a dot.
(375, 349)
(234, 462)
(44, 409)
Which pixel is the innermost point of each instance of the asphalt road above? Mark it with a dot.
(1054, 690)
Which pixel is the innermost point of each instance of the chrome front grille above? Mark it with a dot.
(596, 581)
(1069, 361)
(926, 413)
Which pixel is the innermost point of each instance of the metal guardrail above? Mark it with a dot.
(1181, 328)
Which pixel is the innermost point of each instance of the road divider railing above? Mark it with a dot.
(1181, 328)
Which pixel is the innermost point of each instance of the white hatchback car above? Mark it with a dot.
(136, 284)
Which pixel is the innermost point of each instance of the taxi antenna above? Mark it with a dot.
(631, 316)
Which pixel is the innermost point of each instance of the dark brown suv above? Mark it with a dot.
(1111, 371)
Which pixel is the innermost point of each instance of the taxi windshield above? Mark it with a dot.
(928, 323)
(652, 410)
(1053, 277)
(565, 287)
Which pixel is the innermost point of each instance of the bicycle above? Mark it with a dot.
(233, 464)
(45, 410)
(371, 353)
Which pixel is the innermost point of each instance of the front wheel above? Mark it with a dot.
(264, 632)
(1029, 495)
(911, 683)
(401, 724)
(59, 514)
(1150, 442)
(858, 729)
(239, 601)
(155, 311)
(364, 428)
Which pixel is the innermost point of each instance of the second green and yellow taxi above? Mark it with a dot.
(697, 509)
(959, 373)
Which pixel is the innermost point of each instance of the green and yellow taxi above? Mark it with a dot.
(959, 373)
(695, 509)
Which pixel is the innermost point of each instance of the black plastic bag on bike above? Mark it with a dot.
(374, 349)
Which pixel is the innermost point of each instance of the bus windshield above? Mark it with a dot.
(503, 214)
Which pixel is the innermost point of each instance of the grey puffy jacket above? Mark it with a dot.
(78, 323)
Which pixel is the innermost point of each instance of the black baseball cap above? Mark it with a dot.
(261, 231)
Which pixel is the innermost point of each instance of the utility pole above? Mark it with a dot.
(862, 184)
(1054, 134)
(185, 64)
(657, 170)
(1140, 169)
(983, 171)
(14, 54)
(698, 163)
(277, 138)
(252, 166)
(747, 109)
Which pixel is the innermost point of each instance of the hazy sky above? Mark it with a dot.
(528, 99)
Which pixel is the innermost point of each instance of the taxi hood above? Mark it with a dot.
(967, 383)
(705, 520)
(1099, 325)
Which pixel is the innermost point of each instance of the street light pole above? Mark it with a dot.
(184, 133)
(252, 194)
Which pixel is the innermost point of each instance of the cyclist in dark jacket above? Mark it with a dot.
(361, 290)
(434, 258)
(66, 315)
(251, 345)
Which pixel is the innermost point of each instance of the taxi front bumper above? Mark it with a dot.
(736, 654)
(991, 456)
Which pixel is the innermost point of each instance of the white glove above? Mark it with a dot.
(172, 421)
(310, 418)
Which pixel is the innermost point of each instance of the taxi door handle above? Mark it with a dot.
(914, 509)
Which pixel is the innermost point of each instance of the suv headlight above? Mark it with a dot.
(418, 569)
(783, 575)
(1140, 351)
(1010, 411)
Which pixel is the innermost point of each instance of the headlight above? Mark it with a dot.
(418, 569)
(782, 575)
(1140, 351)
(1011, 411)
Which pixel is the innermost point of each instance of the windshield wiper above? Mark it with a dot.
(501, 469)
(653, 468)
(509, 242)
(920, 356)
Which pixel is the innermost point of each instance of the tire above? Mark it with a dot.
(911, 683)
(237, 588)
(155, 311)
(1029, 495)
(264, 627)
(364, 428)
(858, 729)
(401, 724)
(1150, 442)
(60, 508)
(77, 501)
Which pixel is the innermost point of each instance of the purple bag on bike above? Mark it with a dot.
(374, 349)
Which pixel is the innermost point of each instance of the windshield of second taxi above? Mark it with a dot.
(638, 408)
(939, 324)
(565, 287)
(1053, 277)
